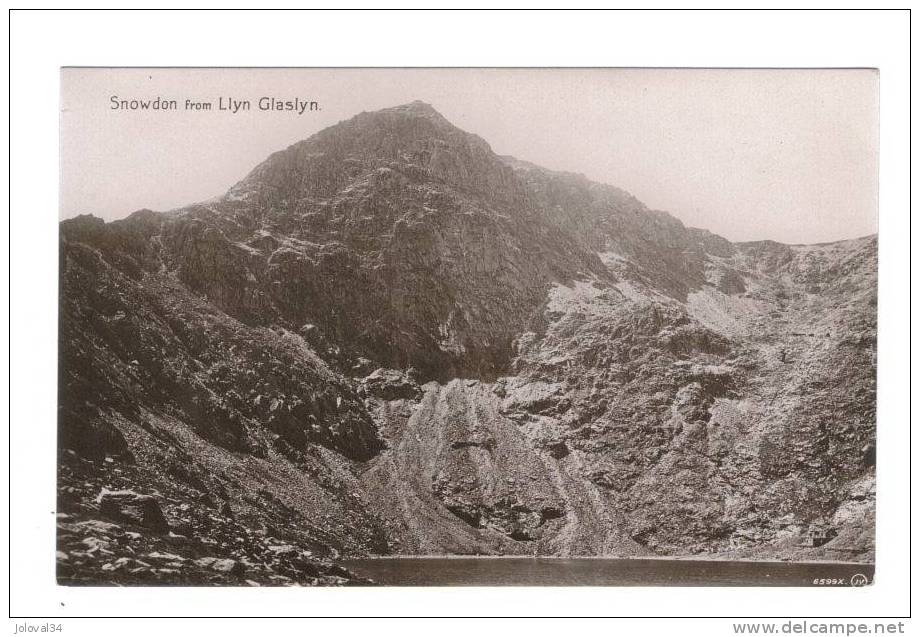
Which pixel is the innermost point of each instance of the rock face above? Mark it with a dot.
(388, 339)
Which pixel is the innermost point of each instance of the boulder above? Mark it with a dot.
(133, 508)
(227, 565)
(558, 450)
(390, 384)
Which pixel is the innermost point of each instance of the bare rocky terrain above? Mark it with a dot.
(389, 340)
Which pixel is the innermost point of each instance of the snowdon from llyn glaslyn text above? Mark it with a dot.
(389, 340)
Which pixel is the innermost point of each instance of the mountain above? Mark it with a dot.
(387, 339)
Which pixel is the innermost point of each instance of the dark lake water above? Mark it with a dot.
(526, 571)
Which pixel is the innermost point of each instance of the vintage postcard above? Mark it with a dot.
(467, 327)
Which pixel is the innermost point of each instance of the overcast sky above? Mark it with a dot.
(784, 155)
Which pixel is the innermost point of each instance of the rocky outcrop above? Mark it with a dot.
(128, 506)
(388, 339)
(171, 538)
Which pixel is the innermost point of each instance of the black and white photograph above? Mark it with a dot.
(467, 327)
(447, 321)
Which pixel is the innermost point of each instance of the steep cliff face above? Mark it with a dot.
(387, 338)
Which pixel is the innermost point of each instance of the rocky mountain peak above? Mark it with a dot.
(417, 108)
(413, 140)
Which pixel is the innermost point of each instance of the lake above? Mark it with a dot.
(552, 571)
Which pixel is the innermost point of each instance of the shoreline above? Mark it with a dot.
(601, 557)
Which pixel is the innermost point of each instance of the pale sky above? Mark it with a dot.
(757, 154)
